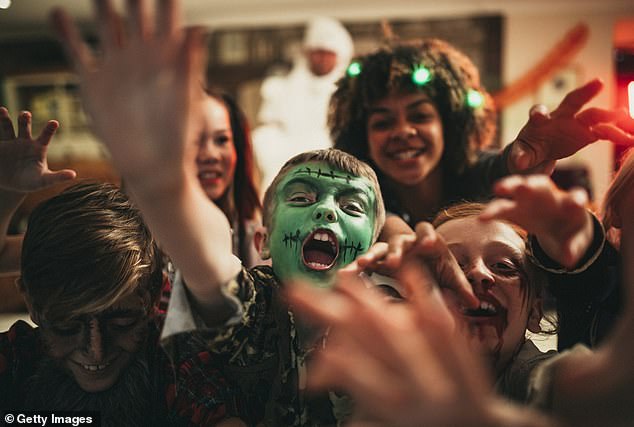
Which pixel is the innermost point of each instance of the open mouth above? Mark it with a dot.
(406, 153)
(208, 175)
(95, 368)
(489, 307)
(320, 250)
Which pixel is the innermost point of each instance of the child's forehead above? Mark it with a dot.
(322, 174)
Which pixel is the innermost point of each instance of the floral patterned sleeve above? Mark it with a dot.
(243, 337)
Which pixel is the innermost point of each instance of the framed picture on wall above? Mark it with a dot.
(54, 96)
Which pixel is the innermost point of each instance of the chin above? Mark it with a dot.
(213, 193)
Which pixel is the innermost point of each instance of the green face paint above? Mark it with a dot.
(324, 218)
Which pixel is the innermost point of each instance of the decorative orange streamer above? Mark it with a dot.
(558, 57)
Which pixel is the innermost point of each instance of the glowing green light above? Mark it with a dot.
(354, 69)
(421, 76)
(474, 99)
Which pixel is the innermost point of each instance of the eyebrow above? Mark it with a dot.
(356, 192)
(412, 105)
(517, 254)
(299, 180)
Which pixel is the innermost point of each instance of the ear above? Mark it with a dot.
(35, 318)
(261, 242)
(535, 315)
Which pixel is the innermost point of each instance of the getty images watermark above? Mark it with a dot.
(50, 418)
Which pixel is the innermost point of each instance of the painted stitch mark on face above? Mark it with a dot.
(351, 249)
(319, 173)
(292, 240)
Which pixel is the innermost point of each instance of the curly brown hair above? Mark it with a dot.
(388, 70)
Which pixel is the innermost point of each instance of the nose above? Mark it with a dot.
(325, 212)
(207, 152)
(95, 341)
(480, 276)
(404, 129)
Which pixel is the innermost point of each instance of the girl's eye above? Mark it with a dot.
(420, 117)
(505, 268)
(222, 139)
(380, 124)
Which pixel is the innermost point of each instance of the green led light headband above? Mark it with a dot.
(354, 69)
(421, 76)
(474, 99)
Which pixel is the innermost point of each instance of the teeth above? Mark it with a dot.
(209, 175)
(94, 368)
(317, 265)
(487, 306)
(405, 155)
(323, 237)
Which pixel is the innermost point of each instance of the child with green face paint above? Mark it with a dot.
(322, 210)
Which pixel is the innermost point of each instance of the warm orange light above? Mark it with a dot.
(630, 98)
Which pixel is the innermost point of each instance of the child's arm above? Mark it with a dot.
(143, 95)
(23, 169)
(560, 222)
(548, 137)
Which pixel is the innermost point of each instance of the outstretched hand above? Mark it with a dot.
(23, 164)
(145, 78)
(558, 219)
(426, 247)
(404, 364)
(547, 138)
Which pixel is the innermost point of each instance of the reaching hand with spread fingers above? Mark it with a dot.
(141, 89)
(143, 92)
(547, 138)
(404, 364)
(23, 163)
(558, 219)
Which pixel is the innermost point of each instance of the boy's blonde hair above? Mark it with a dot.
(84, 249)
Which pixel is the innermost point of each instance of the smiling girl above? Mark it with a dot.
(226, 167)
(418, 113)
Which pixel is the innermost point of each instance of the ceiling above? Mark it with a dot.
(29, 17)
